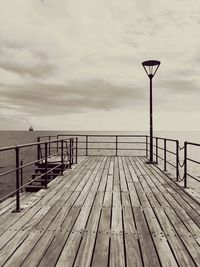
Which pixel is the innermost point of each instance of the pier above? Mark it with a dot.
(105, 210)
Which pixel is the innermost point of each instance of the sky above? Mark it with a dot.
(76, 64)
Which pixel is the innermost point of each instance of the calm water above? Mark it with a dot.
(10, 138)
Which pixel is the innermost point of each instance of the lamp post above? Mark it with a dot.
(151, 67)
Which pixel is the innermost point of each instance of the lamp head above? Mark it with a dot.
(150, 67)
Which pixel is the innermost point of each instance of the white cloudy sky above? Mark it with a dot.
(76, 64)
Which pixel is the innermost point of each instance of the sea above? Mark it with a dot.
(13, 138)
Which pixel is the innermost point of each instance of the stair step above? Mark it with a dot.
(34, 188)
(48, 174)
(43, 169)
(42, 181)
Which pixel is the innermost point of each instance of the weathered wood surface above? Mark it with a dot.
(108, 211)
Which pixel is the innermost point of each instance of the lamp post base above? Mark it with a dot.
(151, 162)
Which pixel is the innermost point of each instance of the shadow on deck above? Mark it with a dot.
(107, 211)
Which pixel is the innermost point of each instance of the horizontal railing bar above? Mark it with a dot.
(9, 195)
(194, 144)
(192, 160)
(109, 142)
(188, 174)
(163, 138)
(102, 135)
(92, 148)
(7, 172)
(32, 144)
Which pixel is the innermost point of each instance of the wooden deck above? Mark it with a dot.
(108, 211)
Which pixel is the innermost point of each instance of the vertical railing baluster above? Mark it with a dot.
(146, 146)
(156, 150)
(86, 145)
(17, 180)
(49, 145)
(38, 148)
(76, 150)
(185, 165)
(70, 153)
(21, 174)
(46, 162)
(165, 155)
(116, 145)
(62, 157)
(177, 160)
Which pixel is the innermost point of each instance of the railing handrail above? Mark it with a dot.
(20, 166)
(32, 144)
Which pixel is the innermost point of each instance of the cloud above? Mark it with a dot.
(85, 56)
(39, 70)
(41, 99)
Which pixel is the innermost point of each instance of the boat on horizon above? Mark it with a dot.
(30, 129)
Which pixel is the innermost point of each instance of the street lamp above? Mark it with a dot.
(151, 67)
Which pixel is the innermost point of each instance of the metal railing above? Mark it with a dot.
(167, 150)
(166, 154)
(190, 161)
(65, 149)
(111, 145)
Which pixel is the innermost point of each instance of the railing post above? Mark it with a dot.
(86, 145)
(38, 148)
(46, 155)
(185, 166)
(57, 144)
(76, 150)
(156, 150)
(165, 155)
(146, 146)
(70, 153)
(17, 181)
(116, 145)
(21, 174)
(49, 146)
(62, 157)
(177, 160)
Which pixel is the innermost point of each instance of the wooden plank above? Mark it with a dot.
(133, 254)
(117, 255)
(148, 251)
(186, 237)
(116, 181)
(123, 183)
(52, 253)
(109, 186)
(162, 247)
(101, 249)
(131, 169)
(180, 252)
(85, 252)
